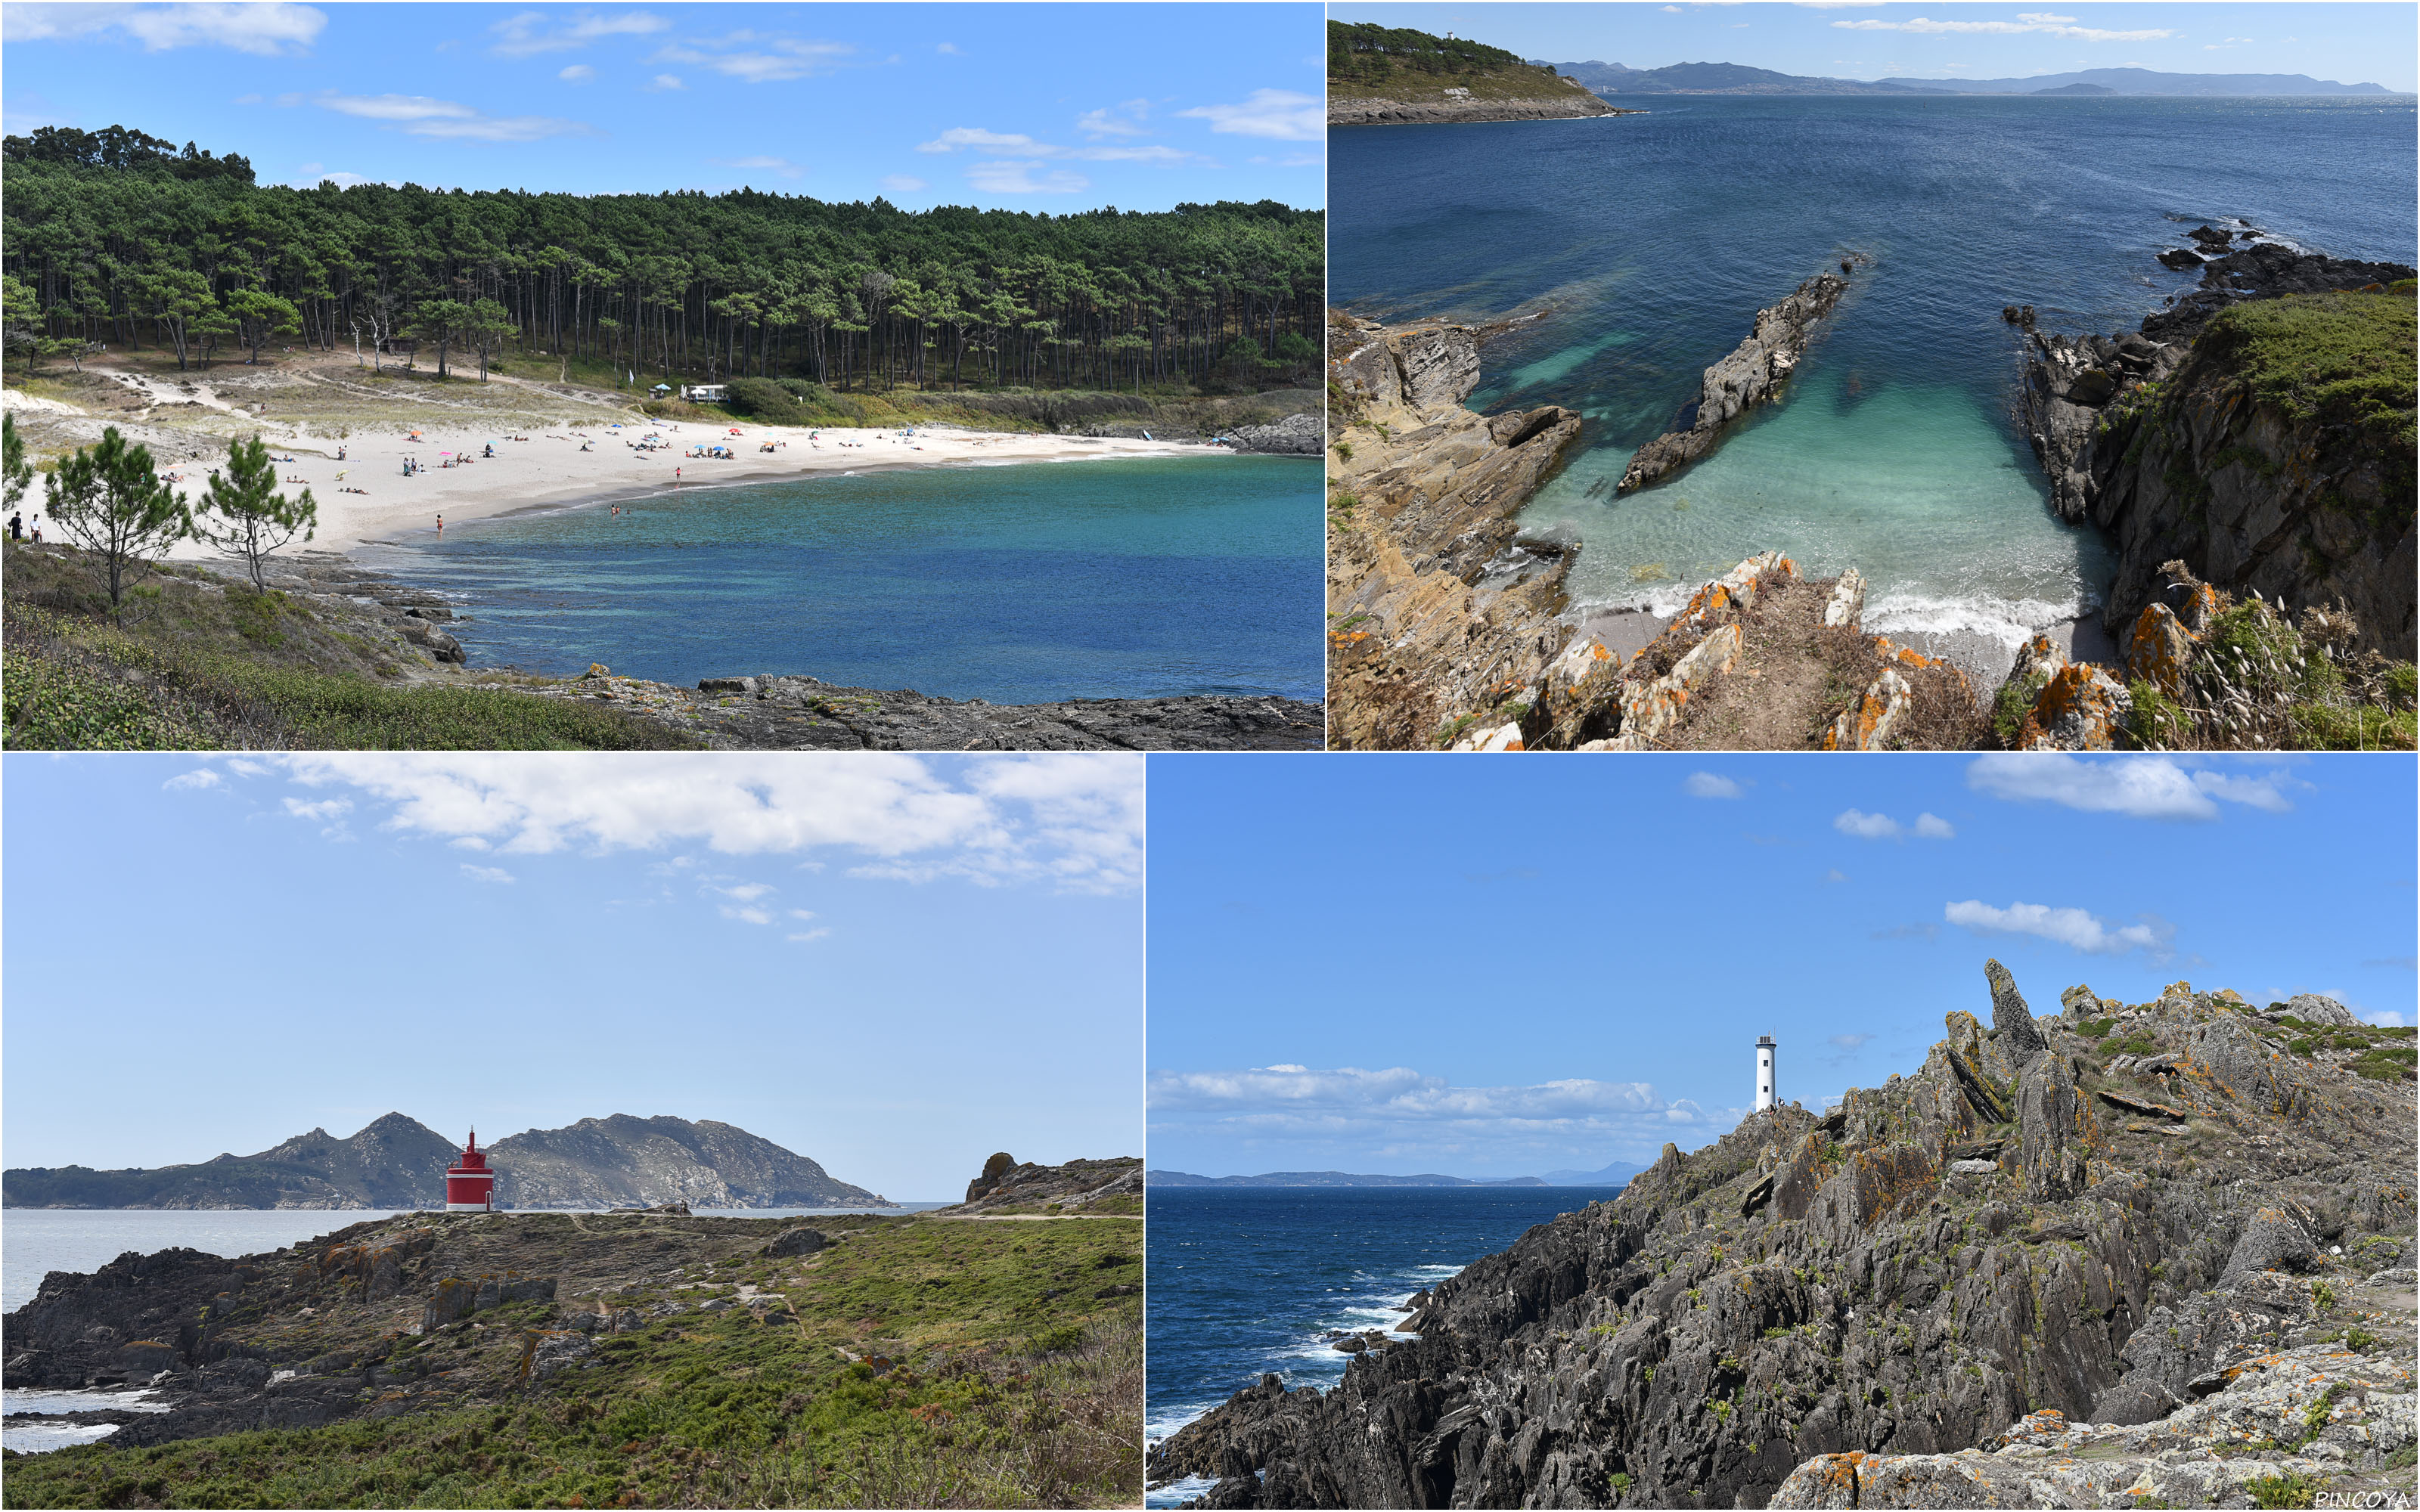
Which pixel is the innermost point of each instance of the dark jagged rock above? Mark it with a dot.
(780, 713)
(2154, 437)
(2010, 1018)
(1661, 1349)
(1750, 376)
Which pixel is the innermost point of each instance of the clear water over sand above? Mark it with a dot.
(1655, 240)
(1017, 584)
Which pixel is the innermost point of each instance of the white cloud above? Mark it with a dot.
(949, 49)
(663, 82)
(983, 140)
(753, 57)
(1396, 1092)
(486, 873)
(576, 73)
(2385, 1018)
(780, 165)
(327, 808)
(1867, 826)
(803, 912)
(262, 30)
(2139, 787)
(1848, 1041)
(1124, 119)
(805, 936)
(2071, 926)
(187, 781)
(525, 34)
(1707, 785)
(1071, 822)
(1005, 177)
(1835, 875)
(747, 915)
(2045, 25)
(899, 183)
(746, 892)
(1271, 113)
(447, 120)
(1931, 827)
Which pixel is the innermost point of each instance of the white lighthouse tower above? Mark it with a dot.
(1764, 1072)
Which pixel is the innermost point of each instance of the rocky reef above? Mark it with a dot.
(2119, 1213)
(773, 712)
(2258, 430)
(1750, 376)
(1435, 609)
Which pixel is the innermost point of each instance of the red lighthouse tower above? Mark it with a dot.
(469, 1186)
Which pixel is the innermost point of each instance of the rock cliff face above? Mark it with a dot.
(398, 1161)
(1436, 614)
(2245, 434)
(1750, 376)
(2111, 1212)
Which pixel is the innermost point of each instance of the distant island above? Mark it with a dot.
(1615, 1174)
(1739, 79)
(399, 1162)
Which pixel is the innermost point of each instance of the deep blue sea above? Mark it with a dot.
(1654, 238)
(1019, 584)
(1247, 1280)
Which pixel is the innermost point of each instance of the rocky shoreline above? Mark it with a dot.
(1752, 375)
(1347, 111)
(775, 712)
(2170, 1242)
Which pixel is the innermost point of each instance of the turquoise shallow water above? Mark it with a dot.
(1654, 238)
(1019, 584)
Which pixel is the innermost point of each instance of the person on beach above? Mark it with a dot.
(17, 526)
(38, 527)
(441, 527)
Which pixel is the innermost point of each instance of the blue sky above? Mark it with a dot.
(894, 966)
(1034, 107)
(1504, 967)
(2350, 44)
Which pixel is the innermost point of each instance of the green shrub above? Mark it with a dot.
(760, 399)
(2283, 1490)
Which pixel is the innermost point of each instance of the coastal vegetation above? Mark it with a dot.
(1407, 67)
(110, 237)
(193, 660)
(901, 1362)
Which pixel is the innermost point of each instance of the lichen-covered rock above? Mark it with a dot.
(1846, 607)
(2316, 1007)
(2161, 652)
(2056, 1127)
(1579, 697)
(2010, 1018)
(1503, 737)
(1868, 723)
(1652, 705)
(2080, 708)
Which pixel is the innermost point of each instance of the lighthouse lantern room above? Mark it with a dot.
(469, 1186)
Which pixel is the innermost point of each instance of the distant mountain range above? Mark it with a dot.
(399, 1162)
(1738, 79)
(1617, 1173)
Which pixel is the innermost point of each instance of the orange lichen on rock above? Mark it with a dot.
(2081, 708)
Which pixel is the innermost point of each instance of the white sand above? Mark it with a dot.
(551, 469)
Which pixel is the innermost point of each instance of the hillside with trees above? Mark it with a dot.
(115, 236)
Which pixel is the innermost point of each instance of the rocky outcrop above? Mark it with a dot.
(1300, 435)
(1904, 1277)
(1365, 110)
(1438, 615)
(2281, 1426)
(1750, 376)
(2169, 439)
(773, 712)
(1098, 1186)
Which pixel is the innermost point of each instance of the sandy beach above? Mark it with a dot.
(531, 469)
